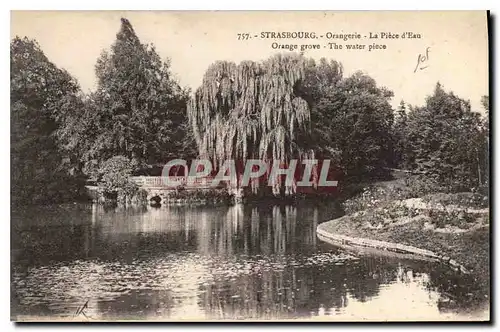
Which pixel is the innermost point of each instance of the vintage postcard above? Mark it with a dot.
(249, 166)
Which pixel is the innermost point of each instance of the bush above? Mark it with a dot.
(421, 185)
(464, 199)
(457, 218)
(114, 176)
(200, 195)
(378, 194)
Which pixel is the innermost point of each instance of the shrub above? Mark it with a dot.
(464, 199)
(421, 185)
(457, 218)
(114, 176)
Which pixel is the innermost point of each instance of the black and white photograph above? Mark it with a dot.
(250, 166)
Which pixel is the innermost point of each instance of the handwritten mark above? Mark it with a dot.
(422, 60)
(81, 310)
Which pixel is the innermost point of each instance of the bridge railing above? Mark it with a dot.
(173, 182)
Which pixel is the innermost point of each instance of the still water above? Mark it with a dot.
(237, 262)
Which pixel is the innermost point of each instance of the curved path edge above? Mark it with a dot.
(342, 240)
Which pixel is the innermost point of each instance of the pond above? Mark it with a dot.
(231, 262)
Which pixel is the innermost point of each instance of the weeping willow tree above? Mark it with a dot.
(252, 111)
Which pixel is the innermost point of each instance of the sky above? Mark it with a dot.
(454, 44)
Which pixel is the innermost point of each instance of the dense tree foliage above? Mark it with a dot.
(355, 119)
(287, 106)
(485, 101)
(115, 176)
(399, 136)
(250, 110)
(137, 111)
(320, 79)
(446, 140)
(292, 107)
(41, 97)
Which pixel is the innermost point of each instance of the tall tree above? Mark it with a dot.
(253, 110)
(357, 120)
(41, 95)
(320, 80)
(485, 132)
(292, 107)
(400, 136)
(485, 102)
(445, 140)
(138, 110)
(250, 110)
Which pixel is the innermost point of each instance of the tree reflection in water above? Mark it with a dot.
(243, 261)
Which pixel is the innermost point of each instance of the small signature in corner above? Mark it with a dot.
(81, 310)
(422, 60)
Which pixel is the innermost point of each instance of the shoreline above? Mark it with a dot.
(393, 247)
(409, 238)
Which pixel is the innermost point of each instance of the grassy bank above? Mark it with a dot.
(453, 225)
